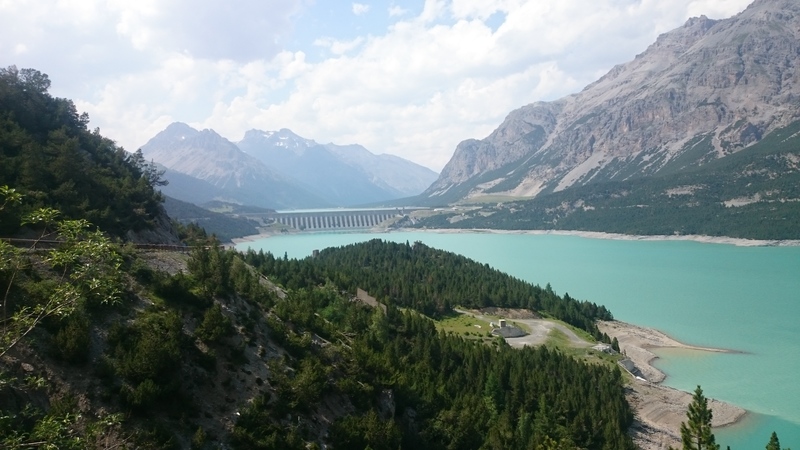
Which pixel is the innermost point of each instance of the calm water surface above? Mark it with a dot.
(741, 298)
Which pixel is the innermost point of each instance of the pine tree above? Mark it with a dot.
(774, 443)
(615, 345)
(696, 432)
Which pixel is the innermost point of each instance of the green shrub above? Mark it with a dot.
(148, 349)
(143, 396)
(179, 289)
(215, 326)
(72, 341)
(199, 439)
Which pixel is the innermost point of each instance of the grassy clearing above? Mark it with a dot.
(464, 325)
(557, 340)
(583, 334)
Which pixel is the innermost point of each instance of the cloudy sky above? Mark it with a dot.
(406, 77)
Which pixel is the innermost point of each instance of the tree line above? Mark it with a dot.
(427, 280)
(48, 154)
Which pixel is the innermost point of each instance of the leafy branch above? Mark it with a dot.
(86, 264)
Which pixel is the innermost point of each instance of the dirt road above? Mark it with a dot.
(538, 330)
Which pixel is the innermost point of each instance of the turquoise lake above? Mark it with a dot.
(712, 295)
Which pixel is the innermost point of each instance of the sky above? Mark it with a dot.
(411, 78)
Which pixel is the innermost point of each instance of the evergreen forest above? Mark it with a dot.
(428, 280)
(48, 154)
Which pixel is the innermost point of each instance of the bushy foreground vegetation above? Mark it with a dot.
(48, 154)
(395, 382)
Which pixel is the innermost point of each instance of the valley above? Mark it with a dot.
(274, 291)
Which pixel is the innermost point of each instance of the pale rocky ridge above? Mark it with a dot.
(388, 171)
(238, 177)
(345, 175)
(700, 92)
(279, 170)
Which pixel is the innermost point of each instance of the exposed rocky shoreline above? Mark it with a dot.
(587, 234)
(623, 237)
(659, 409)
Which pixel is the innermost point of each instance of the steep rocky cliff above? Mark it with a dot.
(699, 93)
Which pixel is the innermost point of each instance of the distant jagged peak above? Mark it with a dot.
(178, 130)
(681, 39)
(283, 138)
(179, 127)
(702, 23)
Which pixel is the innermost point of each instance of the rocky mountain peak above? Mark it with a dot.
(684, 37)
(177, 128)
(271, 141)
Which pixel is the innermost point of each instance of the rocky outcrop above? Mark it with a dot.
(699, 93)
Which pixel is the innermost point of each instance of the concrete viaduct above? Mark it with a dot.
(335, 219)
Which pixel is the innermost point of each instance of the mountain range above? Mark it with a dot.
(702, 92)
(279, 169)
(699, 134)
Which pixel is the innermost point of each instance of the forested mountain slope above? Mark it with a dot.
(753, 194)
(221, 225)
(434, 282)
(48, 155)
(207, 353)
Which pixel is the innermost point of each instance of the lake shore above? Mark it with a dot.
(770, 408)
(626, 237)
(585, 234)
(659, 410)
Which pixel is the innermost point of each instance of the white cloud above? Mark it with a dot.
(360, 9)
(416, 90)
(433, 10)
(481, 9)
(338, 47)
(241, 30)
(397, 11)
